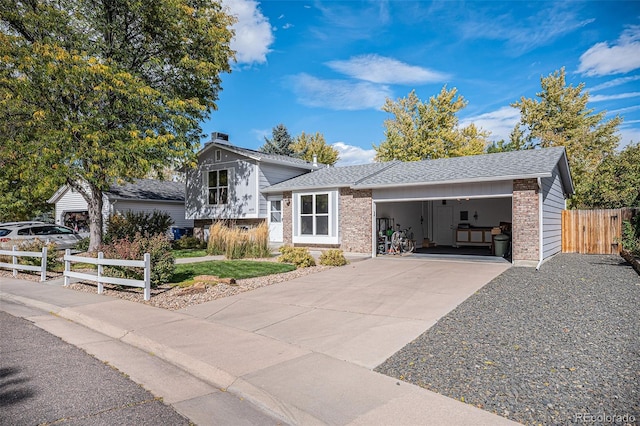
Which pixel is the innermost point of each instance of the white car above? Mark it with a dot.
(16, 233)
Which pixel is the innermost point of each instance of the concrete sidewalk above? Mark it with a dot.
(302, 351)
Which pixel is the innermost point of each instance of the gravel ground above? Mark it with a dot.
(556, 346)
(174, 298)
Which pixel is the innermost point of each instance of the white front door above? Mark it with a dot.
(275, 219)
(444, 225)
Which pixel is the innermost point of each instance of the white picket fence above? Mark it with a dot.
(101, 279)
(15, 266)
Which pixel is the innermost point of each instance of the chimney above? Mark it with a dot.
(221, 138)
(315, 160)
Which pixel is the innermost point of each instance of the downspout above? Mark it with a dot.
(540, 227)
(374, 240)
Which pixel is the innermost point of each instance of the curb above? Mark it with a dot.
(210, 374)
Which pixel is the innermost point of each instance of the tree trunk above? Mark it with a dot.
(94, 206)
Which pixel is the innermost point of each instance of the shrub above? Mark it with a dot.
(188, 242)
(298, 256)
(333, 257)
(36, 245)
(631, 235)
(158, 246)
(238, 243)
(83, 244)
(129, 224)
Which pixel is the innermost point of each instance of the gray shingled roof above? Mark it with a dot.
(148, 190)
(262, 156)
(333, 177)
(486, 167)
(498, 166)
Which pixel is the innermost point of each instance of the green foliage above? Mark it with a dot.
(422, 131)
(560, 117)
(131, 223)
(631, 235)
(333, 257)
(158, 246)
(306, 146)
(188, 242)
(280, 143)
(239, 243)
(298, 256)
(105, 90)
(83, 244)
(238, 269)
(53, 260)
(617, 181)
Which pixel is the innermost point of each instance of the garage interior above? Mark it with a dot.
(458, 226)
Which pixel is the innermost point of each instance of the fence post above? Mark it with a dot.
(43, 264)
(100, 285)
(14, 261)
(67, 267)
(147, 276)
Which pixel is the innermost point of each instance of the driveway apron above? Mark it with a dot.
(361, 313)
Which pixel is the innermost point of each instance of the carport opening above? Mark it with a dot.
(448, 227)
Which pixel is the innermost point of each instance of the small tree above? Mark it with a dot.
(421, 131)
(307, 146)
(280, 142)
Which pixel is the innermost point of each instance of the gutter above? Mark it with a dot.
(449, 182)
(540, 227)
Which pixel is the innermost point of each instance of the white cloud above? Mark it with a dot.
(629, 135)
(379, 69)
(524, 33)
(253, 33)
(338, 94)
(623, 110)
(621, 57)
(351, 155)
(615, 82)
(600, 98)
(499, 122)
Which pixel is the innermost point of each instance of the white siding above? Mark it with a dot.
(443, 192)
(71, 201)
(243, 191)
(270, 174)
(553, 202)
(174, 210)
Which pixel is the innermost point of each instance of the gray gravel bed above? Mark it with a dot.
(555, 346)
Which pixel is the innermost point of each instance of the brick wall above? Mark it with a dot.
(287, 220)
(355, 220)
(526, 226)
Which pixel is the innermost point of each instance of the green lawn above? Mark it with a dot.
(182, 253)
(237, 269)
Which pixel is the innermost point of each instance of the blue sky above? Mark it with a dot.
(328, 66)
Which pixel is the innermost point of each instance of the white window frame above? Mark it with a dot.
(218, 155)
(217, 187)
(332, 214)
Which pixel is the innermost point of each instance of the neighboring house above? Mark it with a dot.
(141, 195)
(451, 202)
(227, 184)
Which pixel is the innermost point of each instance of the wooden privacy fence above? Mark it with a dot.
(593, 231)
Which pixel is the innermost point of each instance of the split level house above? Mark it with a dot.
(448, 202)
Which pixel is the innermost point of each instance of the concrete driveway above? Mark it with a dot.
(361, 313)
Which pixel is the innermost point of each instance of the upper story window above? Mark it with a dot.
(218, 187)
(314, 214)
(218, 155)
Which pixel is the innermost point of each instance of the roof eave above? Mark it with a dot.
(455, 181)
(308, 166)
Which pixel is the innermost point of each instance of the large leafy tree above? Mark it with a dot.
(421, 131)
(97, 90)
(307, 146)
(280, 142)
(617, 182)
(560, 117)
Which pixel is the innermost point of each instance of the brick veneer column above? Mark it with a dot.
(355, 220)
(526, 222)
(287, 219)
